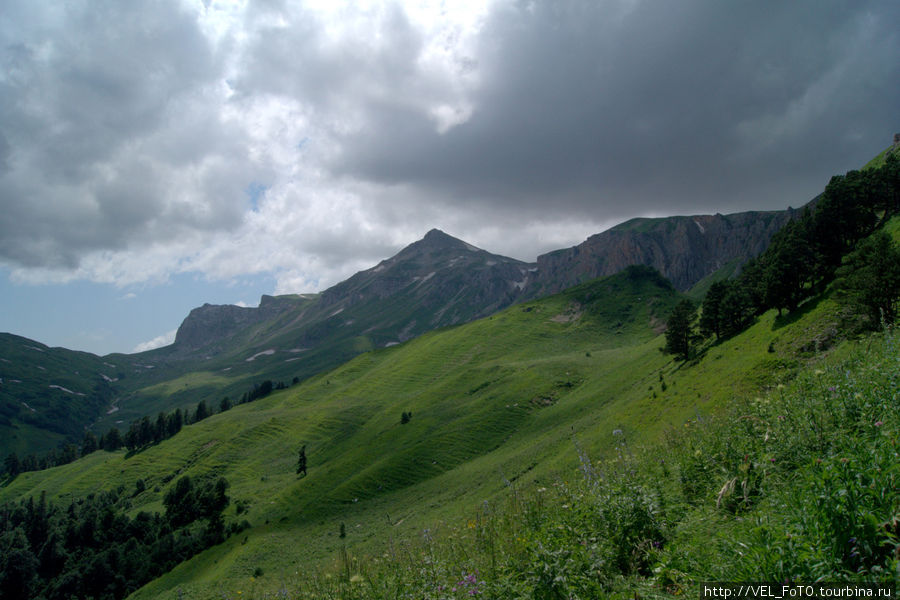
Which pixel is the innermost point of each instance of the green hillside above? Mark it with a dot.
(494, 403)
(48, 394)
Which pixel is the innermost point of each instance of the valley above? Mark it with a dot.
(553, 435)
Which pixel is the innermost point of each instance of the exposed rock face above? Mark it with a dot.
(440, 281)
(213, 322)
(683, 249)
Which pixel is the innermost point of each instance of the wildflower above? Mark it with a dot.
(772, 460)
(879, 423)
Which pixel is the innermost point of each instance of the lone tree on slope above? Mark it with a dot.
(301, 461)
(679, 330)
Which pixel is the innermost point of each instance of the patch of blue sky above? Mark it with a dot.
(102, 318)
(255, 191)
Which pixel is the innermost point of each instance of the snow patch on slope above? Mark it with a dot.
(268, 352)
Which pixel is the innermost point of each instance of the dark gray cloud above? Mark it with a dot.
(134, 133)
(617, 109)
(102, 110)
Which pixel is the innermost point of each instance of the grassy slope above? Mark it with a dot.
(35, 417)
(494, 400)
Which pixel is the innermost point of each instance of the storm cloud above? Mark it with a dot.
(143, 139)
(650, 107)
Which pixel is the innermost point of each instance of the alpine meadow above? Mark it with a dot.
(616, 438)
(432, 300)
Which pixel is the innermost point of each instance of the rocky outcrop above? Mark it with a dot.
(214, 322)
(683, 249)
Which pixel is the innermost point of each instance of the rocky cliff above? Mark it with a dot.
(440, 281)
(213, 322)
(683, 249)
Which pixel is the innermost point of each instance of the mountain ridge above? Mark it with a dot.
(685, 249)
(434, 282)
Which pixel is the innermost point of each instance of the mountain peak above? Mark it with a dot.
(438, 239)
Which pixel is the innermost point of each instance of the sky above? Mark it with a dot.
(156, 155)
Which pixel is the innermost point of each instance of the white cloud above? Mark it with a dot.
(157, 342)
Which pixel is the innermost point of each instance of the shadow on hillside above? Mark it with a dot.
(795, 315)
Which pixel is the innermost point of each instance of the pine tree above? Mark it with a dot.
(89, 444)
(112, 441)
(11, 465)
(680, 334)
(871, 277)
(301, 461)
(201, 412)
(711, 317)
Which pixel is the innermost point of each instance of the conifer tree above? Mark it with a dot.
(679, 330)
(201, 412)
(711, 317)
(871, 277)
(89, 444)
(301, 461)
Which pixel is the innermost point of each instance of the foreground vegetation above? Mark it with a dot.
(797, 485)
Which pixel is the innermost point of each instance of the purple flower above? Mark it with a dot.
(879, 423)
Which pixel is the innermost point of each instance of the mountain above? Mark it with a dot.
(48, 395)
(683, 249)
(210, 323)
(435, 282)
(440, 280)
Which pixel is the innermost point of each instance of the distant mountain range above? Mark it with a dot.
(440, 280)
(436, 282)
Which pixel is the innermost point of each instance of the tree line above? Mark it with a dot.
(92, 548)
(837, 237)
(141, 433)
